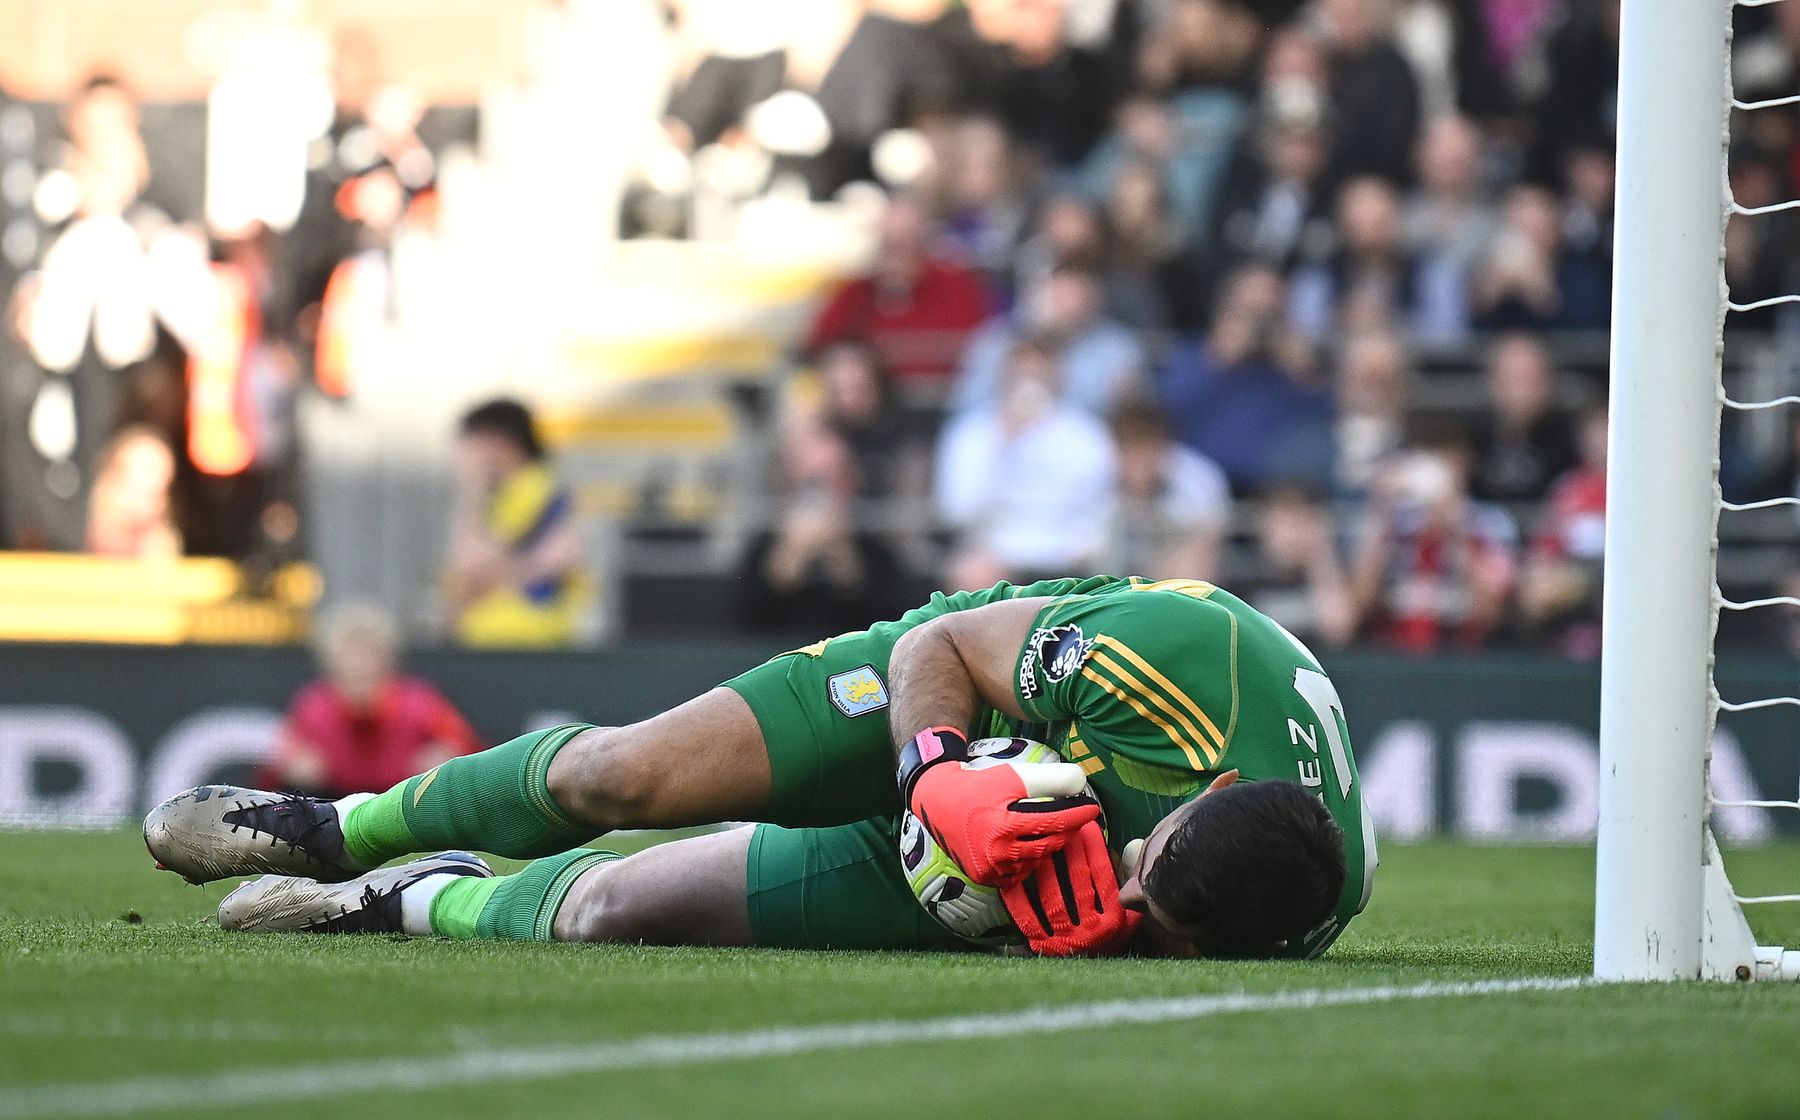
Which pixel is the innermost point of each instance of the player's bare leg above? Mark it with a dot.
(538, 795)
(688, 892)
(699, 763)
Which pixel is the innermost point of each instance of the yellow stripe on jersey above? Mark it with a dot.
(1193, 588)
(1231, 724)
(1116, 646)
(1134, 684)
(1092, 766)
(1175, 735)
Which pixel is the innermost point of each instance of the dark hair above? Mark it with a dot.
(507, 419)
(1138, 419)
(1041, 343)
(1250, 867)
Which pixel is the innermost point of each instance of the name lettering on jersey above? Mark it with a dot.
(1058, 651)
(1309, 733)
(858, 692)
(1310, 775)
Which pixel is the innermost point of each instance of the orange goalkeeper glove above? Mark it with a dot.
(1069, 904)
(997, 822)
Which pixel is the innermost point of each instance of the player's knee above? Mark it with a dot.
(602, 777)
(603, 907)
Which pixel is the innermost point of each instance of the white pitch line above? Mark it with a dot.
(175, 1091)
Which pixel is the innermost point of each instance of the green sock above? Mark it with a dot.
(520, 907)
(495, 801)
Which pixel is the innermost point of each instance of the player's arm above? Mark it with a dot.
(940, 674)
(1048, 852)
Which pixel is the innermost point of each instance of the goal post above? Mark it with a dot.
(1658, 613)
(1664, 908)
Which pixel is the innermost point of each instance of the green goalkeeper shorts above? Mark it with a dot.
(836, 888)
(823, 712)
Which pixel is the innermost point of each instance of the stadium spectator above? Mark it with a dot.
(1275, 202)
(240, 423)
(1448, 225)
(1532, 279)
(1190, 108)
(1522, 439)
(984, 207)
(1030, 483)
(1294, 574)
(1199, 45)
(1174, 504)
(128, 514)
(1374, 95)
(1067, 227)
(363, 726)
(1579, 106)
(1369, 281)
(857, 406)
(1586, 265)
(1463, 52)
(822, 568)
(108, 289)
(323, 236)
(1013, 61)
(1371, 397)
(1101, 360)
(1245, 396)
(1559, 588)
(1153, 273)
(391, 184)
(916, 308)
(1433, 567)
(513, 575)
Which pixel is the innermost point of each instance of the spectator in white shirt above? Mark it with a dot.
(1175, 503)
(1030, 483)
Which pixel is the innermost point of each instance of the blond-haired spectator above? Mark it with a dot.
(363, 726)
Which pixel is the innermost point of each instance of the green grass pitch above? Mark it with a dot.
(112, 989)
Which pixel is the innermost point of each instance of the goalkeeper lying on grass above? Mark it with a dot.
(1157, 693)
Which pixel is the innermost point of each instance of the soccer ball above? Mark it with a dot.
(964, 907)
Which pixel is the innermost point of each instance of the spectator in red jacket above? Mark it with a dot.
(1434, 568)
(1559, 593)
(363, 726)
(915, 308)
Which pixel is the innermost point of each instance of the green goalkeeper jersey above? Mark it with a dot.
(1155, 687)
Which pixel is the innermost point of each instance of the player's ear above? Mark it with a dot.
(1131, 887)
(1131, 896)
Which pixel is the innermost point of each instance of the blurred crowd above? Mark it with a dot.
(1306, 297)
(151, 356)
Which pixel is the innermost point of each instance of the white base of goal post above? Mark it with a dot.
(1728, 950)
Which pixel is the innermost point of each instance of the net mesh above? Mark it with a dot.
(1770, 963)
